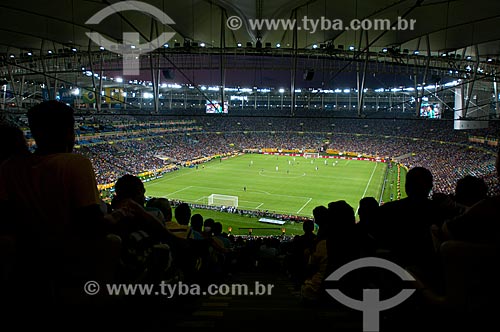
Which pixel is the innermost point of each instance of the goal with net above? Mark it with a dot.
(223, 200)
(311, 155)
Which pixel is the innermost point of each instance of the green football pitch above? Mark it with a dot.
(281, 184)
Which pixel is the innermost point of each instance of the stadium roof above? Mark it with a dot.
(451, 25)
(45, 43)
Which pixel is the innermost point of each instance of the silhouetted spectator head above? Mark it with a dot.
(470, 190)
(217, 228)
(52, 126)
(12, 142)
(208, 225)
(308, 226)
(320, 214)
(197, 222)
(368, 207)
(342, 213)
(130, 187)
(163, 205)
(418, 182)
(183, 213)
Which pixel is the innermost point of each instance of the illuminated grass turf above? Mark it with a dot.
(295, 188)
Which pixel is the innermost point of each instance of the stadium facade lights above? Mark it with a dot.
(75, 92)
(213, 88)
(384, 50)
(338, 91)
(468, 57)
(49, 52)
(351, 48)
(230, 89)
(239, 45)
(203, 44)
(132, 47)
(416, 52)
(148, 95)
(73, 49)
(298, 91)
(315, 46)
(409, 89)
(164, 85)
(246, 90)
(101, 48)
(379, 90)
(281, 90)
(30, 53)
(264, 90)
(12, 56)
(166, 45)
(119, 80)
(327, 91)
(278, 45)
(490, 60)
(347, 90)
(395, 89)
(203, 88)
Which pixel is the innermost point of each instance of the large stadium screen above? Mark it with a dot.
(430, 110)
(214, 107)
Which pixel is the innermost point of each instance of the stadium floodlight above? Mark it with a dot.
(281, 90)
(223, 200)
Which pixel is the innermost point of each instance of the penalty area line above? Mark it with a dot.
(368, 184)
(303, 206)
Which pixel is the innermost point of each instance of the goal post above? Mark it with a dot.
(223, 200)
(311, 155)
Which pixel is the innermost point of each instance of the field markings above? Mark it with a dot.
(248, 190)
(201, 198)
(303, 206)
(178, 191)
(259, 205)
(368, 184)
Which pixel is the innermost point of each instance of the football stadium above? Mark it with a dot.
(220, 165)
